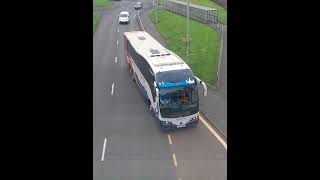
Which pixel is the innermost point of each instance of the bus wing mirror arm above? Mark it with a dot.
(154, 84)
(203, 85)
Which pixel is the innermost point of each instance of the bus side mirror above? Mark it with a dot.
(157, 92)
(203, 85)
(157, 99)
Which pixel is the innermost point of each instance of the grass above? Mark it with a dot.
(222, 13)
(101, 3)
(96, 20)
(204, 47)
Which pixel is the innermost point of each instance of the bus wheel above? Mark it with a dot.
(131, 73)
(133, 76)
(130, 69)
(149, 104)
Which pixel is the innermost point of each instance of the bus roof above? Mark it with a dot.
(158, 57)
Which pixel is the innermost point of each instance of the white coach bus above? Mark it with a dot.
(165, 80)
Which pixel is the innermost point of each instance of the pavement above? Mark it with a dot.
(127, 142)
(214, 106)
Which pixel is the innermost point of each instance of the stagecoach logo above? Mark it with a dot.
(190, 81)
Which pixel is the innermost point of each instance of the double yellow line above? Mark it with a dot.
(214, 132)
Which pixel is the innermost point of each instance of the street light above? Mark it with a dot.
(156, 11)
(188, 35)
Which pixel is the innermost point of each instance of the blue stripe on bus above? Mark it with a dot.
(169, 84)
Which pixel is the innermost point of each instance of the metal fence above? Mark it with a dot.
(197, 12)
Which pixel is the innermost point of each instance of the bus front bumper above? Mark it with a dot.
(168, 125)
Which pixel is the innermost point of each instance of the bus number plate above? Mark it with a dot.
(181, 125)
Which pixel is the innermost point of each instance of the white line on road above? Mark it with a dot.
(116, 59)
(117, 42)
(140, 19)
(112, 88)
(214, 132)
(174, 160)
(169, 137)
(104, 148)
(118, 30)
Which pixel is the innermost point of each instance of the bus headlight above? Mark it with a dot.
(166, 123)
(195, 118)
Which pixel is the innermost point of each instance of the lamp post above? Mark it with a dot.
(156, 11)
(188, 40)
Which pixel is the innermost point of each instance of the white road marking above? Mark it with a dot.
(116, 59)
(104, 148)
(169, 137)
(214, 132)
(117, 42)
(112, 88)
(174, 160)
(140, 19)
(118, 30)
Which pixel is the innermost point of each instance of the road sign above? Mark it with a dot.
(186, 39)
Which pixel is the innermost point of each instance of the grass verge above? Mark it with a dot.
(204, 47)
(101, 3)
(96, 20)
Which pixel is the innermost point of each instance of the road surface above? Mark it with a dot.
(127, 142)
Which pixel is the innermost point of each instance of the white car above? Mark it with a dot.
(124, 17)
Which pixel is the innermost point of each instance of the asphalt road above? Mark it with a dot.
(134, 147)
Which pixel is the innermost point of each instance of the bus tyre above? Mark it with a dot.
(131, 73)
(133, 77)
(129, 69)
